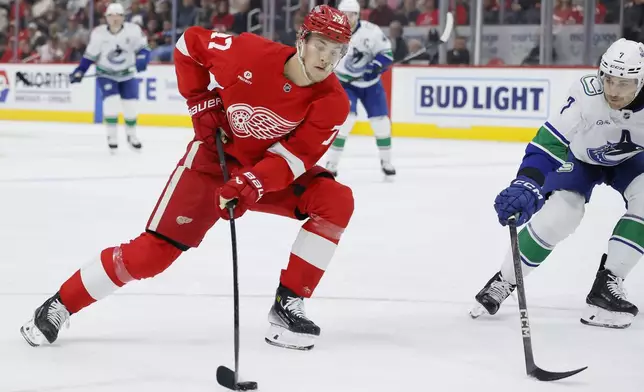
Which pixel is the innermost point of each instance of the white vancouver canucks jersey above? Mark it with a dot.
(590, 129)
(115, 54)
(366, 43)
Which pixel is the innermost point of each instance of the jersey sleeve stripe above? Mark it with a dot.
(551, 144)
(551, 154)
(555, 132)
(182, 46)
(294, 163)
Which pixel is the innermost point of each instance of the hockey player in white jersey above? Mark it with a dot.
(119, 50)
(359, 71)
(595, 137)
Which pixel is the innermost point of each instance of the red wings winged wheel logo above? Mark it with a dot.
(258, 122)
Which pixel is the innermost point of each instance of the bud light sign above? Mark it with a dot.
(483, 97)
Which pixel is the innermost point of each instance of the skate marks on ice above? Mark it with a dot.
(369, 345)
(123, 384)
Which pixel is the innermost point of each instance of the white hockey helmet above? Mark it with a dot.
(624, 59)
(115, 9)
(349, 6)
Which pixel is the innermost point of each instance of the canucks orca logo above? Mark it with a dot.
(613, 154)
(116, 56)
(353, 62)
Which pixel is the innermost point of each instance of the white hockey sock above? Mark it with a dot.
(626, 245)
(382, 130)
(110, 116)
(338, 144)
(558, 218)
(130, 114)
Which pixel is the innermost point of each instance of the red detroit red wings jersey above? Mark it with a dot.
(267, 117)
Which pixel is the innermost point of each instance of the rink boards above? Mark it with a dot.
(506, 104)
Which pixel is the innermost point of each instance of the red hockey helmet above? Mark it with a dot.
(327, 21)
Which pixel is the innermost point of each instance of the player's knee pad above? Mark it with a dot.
(381, 126)
(328, 200)
(559, 217)
(346, 128)
(111, 105)
(634, 195)
(147, 256)
(129, 109)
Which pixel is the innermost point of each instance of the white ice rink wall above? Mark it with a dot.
(507, 103)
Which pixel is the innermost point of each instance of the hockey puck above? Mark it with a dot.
(247, 386)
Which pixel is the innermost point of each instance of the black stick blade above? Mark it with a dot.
(544, 375)
(226, 378)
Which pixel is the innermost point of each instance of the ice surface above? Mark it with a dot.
(392, 307)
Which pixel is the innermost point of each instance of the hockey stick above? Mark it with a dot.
(225, 376)
(447, 32)
(531, 368)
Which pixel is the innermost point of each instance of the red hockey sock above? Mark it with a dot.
(310, 256)
(143, 257)
(96, 280)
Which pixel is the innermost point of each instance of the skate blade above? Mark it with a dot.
(282, 337)
(477, 311)
(135, 146)
(598, 317)
(388, 176)
(32, 334)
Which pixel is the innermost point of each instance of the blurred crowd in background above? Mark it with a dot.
(50, 31)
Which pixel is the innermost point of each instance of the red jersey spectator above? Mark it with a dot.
(565, 13)
(382, 15)
(429, 14)
(222, 20)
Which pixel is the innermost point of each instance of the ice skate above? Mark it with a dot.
(607, 304)
(47, 321)
(289, 326)
(132, 140)
(388, 169)
(333, 168)
(112, 139)
(491, 296)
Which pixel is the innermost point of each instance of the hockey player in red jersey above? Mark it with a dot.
(279, 109)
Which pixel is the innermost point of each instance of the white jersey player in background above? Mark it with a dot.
(359, 71)
(119, 50)
(596, 137)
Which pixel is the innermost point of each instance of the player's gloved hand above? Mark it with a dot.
(76, 76)
(141, 63)
(373, 71)
(523, 196)
(245, 188)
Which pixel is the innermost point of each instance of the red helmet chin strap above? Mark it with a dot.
(300, 57)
